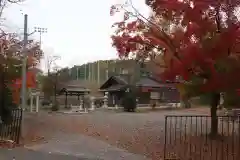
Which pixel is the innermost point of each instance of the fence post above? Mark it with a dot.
(12, 131)
(165, 139)
(195, 145)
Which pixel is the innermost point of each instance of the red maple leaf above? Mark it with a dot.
(203, 41)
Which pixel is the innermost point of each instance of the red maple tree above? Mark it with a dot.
(200, 44)
(11, 57)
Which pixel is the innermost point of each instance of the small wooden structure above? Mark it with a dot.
(73, 89)
(148, 88)
(115, 86)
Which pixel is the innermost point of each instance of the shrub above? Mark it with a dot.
(6, 104)
(231, 100)
(129, 101)
(55, 106)
(153, 103)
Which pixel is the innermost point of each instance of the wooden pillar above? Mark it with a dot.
(37, 103)
(79, 102)
(66, 103)
(31, 103)
(92, 103)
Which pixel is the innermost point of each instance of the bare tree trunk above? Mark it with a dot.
(3, 4)
(186, 103)
(215, 99)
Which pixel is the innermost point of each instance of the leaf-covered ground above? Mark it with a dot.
(141, 133)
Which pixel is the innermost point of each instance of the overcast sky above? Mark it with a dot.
(79, 30)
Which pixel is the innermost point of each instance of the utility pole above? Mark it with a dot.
(40, 31)
(24, 65)
(57, 72)
(24, 71)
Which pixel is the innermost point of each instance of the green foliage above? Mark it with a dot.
(205, 99)
(49, 82)
(8, 98)
(47, 85)
(231, 100)
(6, 105)
(55, 106)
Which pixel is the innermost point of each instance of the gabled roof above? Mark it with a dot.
(73, 89)
(74, 86)
(121, 79)
(147, 82)
(113, 81)
(117, 87)
(152, 82)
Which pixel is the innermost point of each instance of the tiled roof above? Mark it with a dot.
(118, 79)
(114, 88)
(151, 82)
(74, 86)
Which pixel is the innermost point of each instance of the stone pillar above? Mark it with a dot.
(113, 100)
(178, 105)
(221, 103)
(105, 101)
(116, 106)
(81, 104)
(37, 103)
(31, 103)
(92, 103)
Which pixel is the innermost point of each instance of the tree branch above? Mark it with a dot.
(14, 1)
(165, 36)
(218, 22)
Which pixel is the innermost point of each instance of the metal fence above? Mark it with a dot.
(188, 138)
(12, 131)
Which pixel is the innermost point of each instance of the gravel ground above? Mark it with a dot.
(26, 154)
(85, 146)
(140, 133)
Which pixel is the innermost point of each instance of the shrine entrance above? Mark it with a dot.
(34, 97)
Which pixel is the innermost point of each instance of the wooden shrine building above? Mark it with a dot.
(148, 88)
(73, 88)
(115, 86)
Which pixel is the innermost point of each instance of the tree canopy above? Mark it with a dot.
(200, 48)
(201, 44)
(11, 56)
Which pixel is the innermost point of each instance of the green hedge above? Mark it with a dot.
(6, 104)
(231, 100)
(129, 101)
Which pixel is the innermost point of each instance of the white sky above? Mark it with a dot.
(79, 30)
